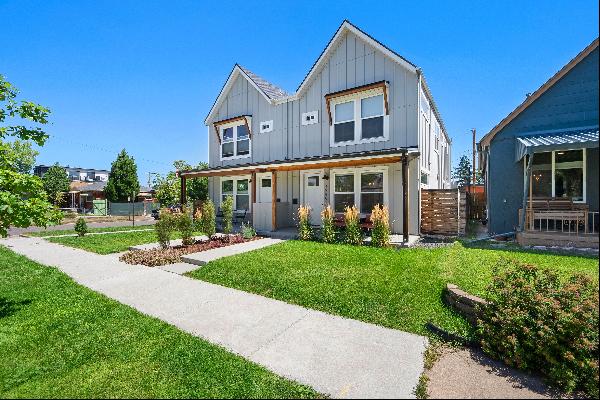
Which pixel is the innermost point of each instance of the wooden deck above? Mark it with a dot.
(532, 238)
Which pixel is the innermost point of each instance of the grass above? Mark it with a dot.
(59, 339)
(397, 289)
(106, 244)
(46, 233)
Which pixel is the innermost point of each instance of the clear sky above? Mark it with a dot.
(142, 75)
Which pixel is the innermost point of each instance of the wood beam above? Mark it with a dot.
(273, 200)
(183, 197)
(405, 215)
(253, 192)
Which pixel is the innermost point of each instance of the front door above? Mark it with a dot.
(263, 188)
(314, 194)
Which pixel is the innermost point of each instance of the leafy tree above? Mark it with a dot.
(23, 200)
(56, 183)
(23, 156)
(168, 187)
(123, 180)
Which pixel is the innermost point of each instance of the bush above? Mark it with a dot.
(328, 229)
(81, 227)
(353, 233)
(305, 231)
(536, 322)
(164, 228)
(185, 225)
(380, 235)
(248, 232)
(208, 224)
(227, 208)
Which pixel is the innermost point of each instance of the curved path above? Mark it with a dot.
(339, 357)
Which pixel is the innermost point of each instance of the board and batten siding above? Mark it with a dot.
(352, 63)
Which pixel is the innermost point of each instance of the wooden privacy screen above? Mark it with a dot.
(443, 212)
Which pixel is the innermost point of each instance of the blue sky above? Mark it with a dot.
(142, 75)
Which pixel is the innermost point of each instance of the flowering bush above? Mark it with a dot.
(305, 231)
(353, 233)
(535, 321)
(380, 235)
(328, 230)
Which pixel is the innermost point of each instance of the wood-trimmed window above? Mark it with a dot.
(235, 138)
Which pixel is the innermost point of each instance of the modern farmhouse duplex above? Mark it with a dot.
(362, 129)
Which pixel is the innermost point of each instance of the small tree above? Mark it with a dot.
(23, 201)
(207, 219)
(463, 173)
(56, 182)
(164, 228)
(353, 233)
(227, 208)
(81, 227)
(305, 231)
(185, 225)
(380, 236)
(328, 230)
(123, 180)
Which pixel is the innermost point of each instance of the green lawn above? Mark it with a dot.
(46, 233)
(59, 339)
(110, 243)
(398, 289)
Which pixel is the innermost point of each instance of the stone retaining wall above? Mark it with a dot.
(463, 302)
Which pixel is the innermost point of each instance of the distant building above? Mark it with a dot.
(77, 173)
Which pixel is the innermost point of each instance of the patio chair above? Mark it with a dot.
(339, 221)
(366, 223)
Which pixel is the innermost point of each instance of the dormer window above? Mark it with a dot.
(359, 115)
(235, 137)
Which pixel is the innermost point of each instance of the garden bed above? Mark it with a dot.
(173, 254)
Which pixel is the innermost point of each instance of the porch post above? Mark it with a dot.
(526, 185)
(405, 199)
(253, 190)
(183, 198)
(273, 200)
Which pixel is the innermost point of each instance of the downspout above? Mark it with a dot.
(420, 152)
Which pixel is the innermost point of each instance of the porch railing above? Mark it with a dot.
(571, 222)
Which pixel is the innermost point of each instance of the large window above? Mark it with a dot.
(559, 174)
(344, 122)
(238, 189)
(235, 141)
(361, 119)
(363, 188)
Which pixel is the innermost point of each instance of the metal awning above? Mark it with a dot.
(565, 140)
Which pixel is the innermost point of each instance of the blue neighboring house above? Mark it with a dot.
(544, 156)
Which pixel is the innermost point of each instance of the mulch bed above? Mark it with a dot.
(173, 254)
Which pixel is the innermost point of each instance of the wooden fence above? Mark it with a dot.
(443, 212)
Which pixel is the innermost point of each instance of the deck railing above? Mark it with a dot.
(571, 222)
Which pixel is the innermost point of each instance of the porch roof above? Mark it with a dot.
(571, 139)
(328, 161)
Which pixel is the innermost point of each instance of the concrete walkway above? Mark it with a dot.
(339, 357)
(101, 233)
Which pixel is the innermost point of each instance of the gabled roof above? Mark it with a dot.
(275, 95)
(485, 141)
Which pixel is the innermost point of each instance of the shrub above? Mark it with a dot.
(353, 233)
(185, 225)
(535, 321)
(81, 227)
(227, 208)
(305, 231)
(248, 232)
(328, 229)
(380, 235)
(164, 228)
(208, 224)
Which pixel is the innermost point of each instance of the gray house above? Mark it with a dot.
(543, 157)
(361, 129)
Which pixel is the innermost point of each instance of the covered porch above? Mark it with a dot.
(560, 190)
(268, 194)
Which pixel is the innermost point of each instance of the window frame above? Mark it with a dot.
(357, 172)
(234, 194)
(234, 125)
(584, 178)
(357, 98)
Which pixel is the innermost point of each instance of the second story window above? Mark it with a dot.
(235, 141)
(344, 122)
(371, 110)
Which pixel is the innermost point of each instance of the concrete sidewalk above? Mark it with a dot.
(339, 357)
